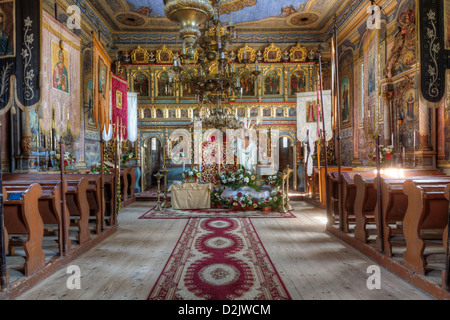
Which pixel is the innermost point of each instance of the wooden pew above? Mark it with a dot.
(22, 218)
(124, 184)
(131, 182)
(76, 198)
(349, 196)
(333, 197)
(49, 207)
(110, 198)
(365, 201)
(395, 202)
(93, 197)
(77, 203)
(427, 210)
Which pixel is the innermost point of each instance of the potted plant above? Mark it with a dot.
(265, 204)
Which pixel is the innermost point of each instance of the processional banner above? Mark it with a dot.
(61, 88)
(102, 85)
(434, 49)
(119, 105)
(20, 53)
(310, 116)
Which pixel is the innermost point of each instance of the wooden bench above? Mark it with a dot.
(76, 198)
(365, 201)
(110, 198)
(78, 205)
(394, 204)
(49, 207)
(93, 198)
(22, 217)
(124, 172)
(427, 211)
(349, 196)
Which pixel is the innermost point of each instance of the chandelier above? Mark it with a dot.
(222, 118)
(212, 78)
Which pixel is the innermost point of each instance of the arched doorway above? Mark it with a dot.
(286, 156)
(153, 161)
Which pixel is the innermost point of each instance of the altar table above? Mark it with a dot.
(191, 196)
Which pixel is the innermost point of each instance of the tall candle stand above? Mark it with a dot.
(288, 173)
(158, 176)
(166, 203)
(283, 179)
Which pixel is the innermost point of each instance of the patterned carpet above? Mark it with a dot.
(170, 213)
(219, 259)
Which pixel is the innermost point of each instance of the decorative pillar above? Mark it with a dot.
(425, 155)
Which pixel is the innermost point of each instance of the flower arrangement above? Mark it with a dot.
(69, 160)
(386, 154)
(273, 180)
(240, 178)
(190, 174)
(125, 158)
(97, 169)
(241, 201)
(216, 197)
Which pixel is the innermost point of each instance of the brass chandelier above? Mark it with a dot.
(212, 79)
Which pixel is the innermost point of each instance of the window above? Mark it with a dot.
(153, 144)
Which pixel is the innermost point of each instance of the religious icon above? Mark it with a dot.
(311, 112)
(90, 102)
(172, 113)
(141, 84)
(280, 112)
(7, 29)
(241, 112)
(267, 112)
(184, 113)
(254, 112)
(197, 113)
(60, 73)
(372, 70)
(118, 99)
(345, 100)
(248, 86)
(159, 113)
(298, 82)
(102, 77)
(163, 81)
(409, 104)
(292, 112)
(272, 82)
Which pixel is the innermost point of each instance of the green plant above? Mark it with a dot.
(238, 179)
(191, 173)
(125, 157)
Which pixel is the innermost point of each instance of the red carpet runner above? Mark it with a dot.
(171, 213)
(219, 259)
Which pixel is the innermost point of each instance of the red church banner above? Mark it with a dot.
(119, 107)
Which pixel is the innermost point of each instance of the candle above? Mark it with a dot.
(414, 141)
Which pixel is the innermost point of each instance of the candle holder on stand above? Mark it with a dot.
(288, 173)
(158, 176)
(283, 179)
(166, 203)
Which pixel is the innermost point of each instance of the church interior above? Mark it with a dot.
(224, 150)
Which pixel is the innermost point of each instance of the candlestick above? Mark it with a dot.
(282, 207)
(288, 172)
(166, 203)
(158, 176)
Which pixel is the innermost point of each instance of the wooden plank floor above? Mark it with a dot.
(313, 264)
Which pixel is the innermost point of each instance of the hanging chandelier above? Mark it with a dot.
(212, 77)
(221, 117)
